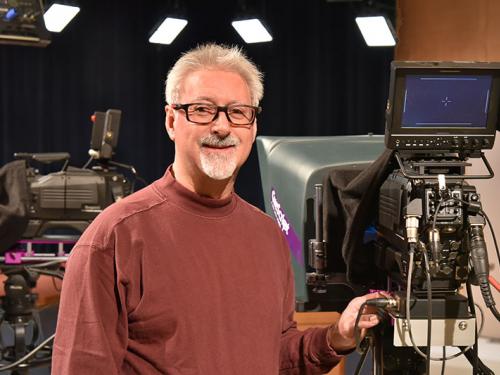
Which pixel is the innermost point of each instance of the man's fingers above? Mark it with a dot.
(369, 318)
(356, 303)
(368, 321)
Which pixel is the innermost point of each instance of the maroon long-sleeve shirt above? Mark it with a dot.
(169, 282)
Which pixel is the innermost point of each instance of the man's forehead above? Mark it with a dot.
(211, 84)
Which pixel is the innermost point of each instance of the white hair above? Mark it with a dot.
(214, 57)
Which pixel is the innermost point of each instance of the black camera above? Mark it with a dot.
(438, 116)
(66, 201)
(430, 218)
(406, 218)
(39, 210)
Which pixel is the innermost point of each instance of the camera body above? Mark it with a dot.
(68, 200)
(430, 219)
(398, 195)
(439, 114)
(407, 219)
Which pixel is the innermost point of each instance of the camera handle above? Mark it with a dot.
(317, 247)
(414, 176)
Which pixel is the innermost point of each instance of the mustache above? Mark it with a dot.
(216, 141)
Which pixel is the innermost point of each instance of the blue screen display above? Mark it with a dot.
(446, 101)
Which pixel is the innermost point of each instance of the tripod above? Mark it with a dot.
(19, 313)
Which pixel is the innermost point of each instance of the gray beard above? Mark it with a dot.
(218, 167)
(215, 165)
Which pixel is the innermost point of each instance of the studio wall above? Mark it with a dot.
(320, 79)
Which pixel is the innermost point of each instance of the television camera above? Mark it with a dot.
(71, 198)
(55, 208)
(409, 222)
(430, 218)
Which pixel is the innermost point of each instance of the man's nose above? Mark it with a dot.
(221, 125)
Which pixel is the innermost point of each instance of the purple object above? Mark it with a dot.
(14, 256)
(293, 240)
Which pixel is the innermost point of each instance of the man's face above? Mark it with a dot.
(219, 148)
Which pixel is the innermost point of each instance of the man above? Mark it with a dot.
(184, 277)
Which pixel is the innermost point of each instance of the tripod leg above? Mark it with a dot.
(19, 346)
(377, 353)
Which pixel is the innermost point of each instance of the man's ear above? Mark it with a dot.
(169, 121)
(254, 130)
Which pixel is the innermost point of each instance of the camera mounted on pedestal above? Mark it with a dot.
(430, 218)
(41, 217)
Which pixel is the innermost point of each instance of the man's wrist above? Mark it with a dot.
(337, 342)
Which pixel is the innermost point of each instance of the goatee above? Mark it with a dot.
(218, 165)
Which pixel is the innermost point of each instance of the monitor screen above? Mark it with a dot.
(446, 101)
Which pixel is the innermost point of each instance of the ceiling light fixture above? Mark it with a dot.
(252, 30)
(58, 16)
(377, 31)
(168, 30)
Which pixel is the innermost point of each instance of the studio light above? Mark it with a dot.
(377, 31)
(58, 16)
(252, 30)
(168, 30)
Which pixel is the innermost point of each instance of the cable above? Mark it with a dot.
(482, 319)
(482, 368)
(86, 165)
(479, 257)
(45, 264)
(379, 303)
(57, 289)
(27, 356)
(408, 318)
(434, 219)
(58, 274)
(429, 312)
(443, 365)
(131, 168)
(481, 326)
(357, 330)
(470, 300)
(482, 213)
(495, 312)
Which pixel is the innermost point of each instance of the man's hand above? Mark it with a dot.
(341, 336)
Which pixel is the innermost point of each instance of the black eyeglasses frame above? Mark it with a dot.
(224, 109)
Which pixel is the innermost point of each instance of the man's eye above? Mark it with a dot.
(240, 112)
(236, 111)
(201, 109)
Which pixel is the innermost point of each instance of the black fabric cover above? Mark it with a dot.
(350, 202)
(14, 194)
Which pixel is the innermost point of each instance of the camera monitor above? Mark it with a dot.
(442, 106)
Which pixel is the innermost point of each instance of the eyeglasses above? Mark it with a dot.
(205, 113)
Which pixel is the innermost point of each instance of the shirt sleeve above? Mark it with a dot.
(303, 352)
(91, 333)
